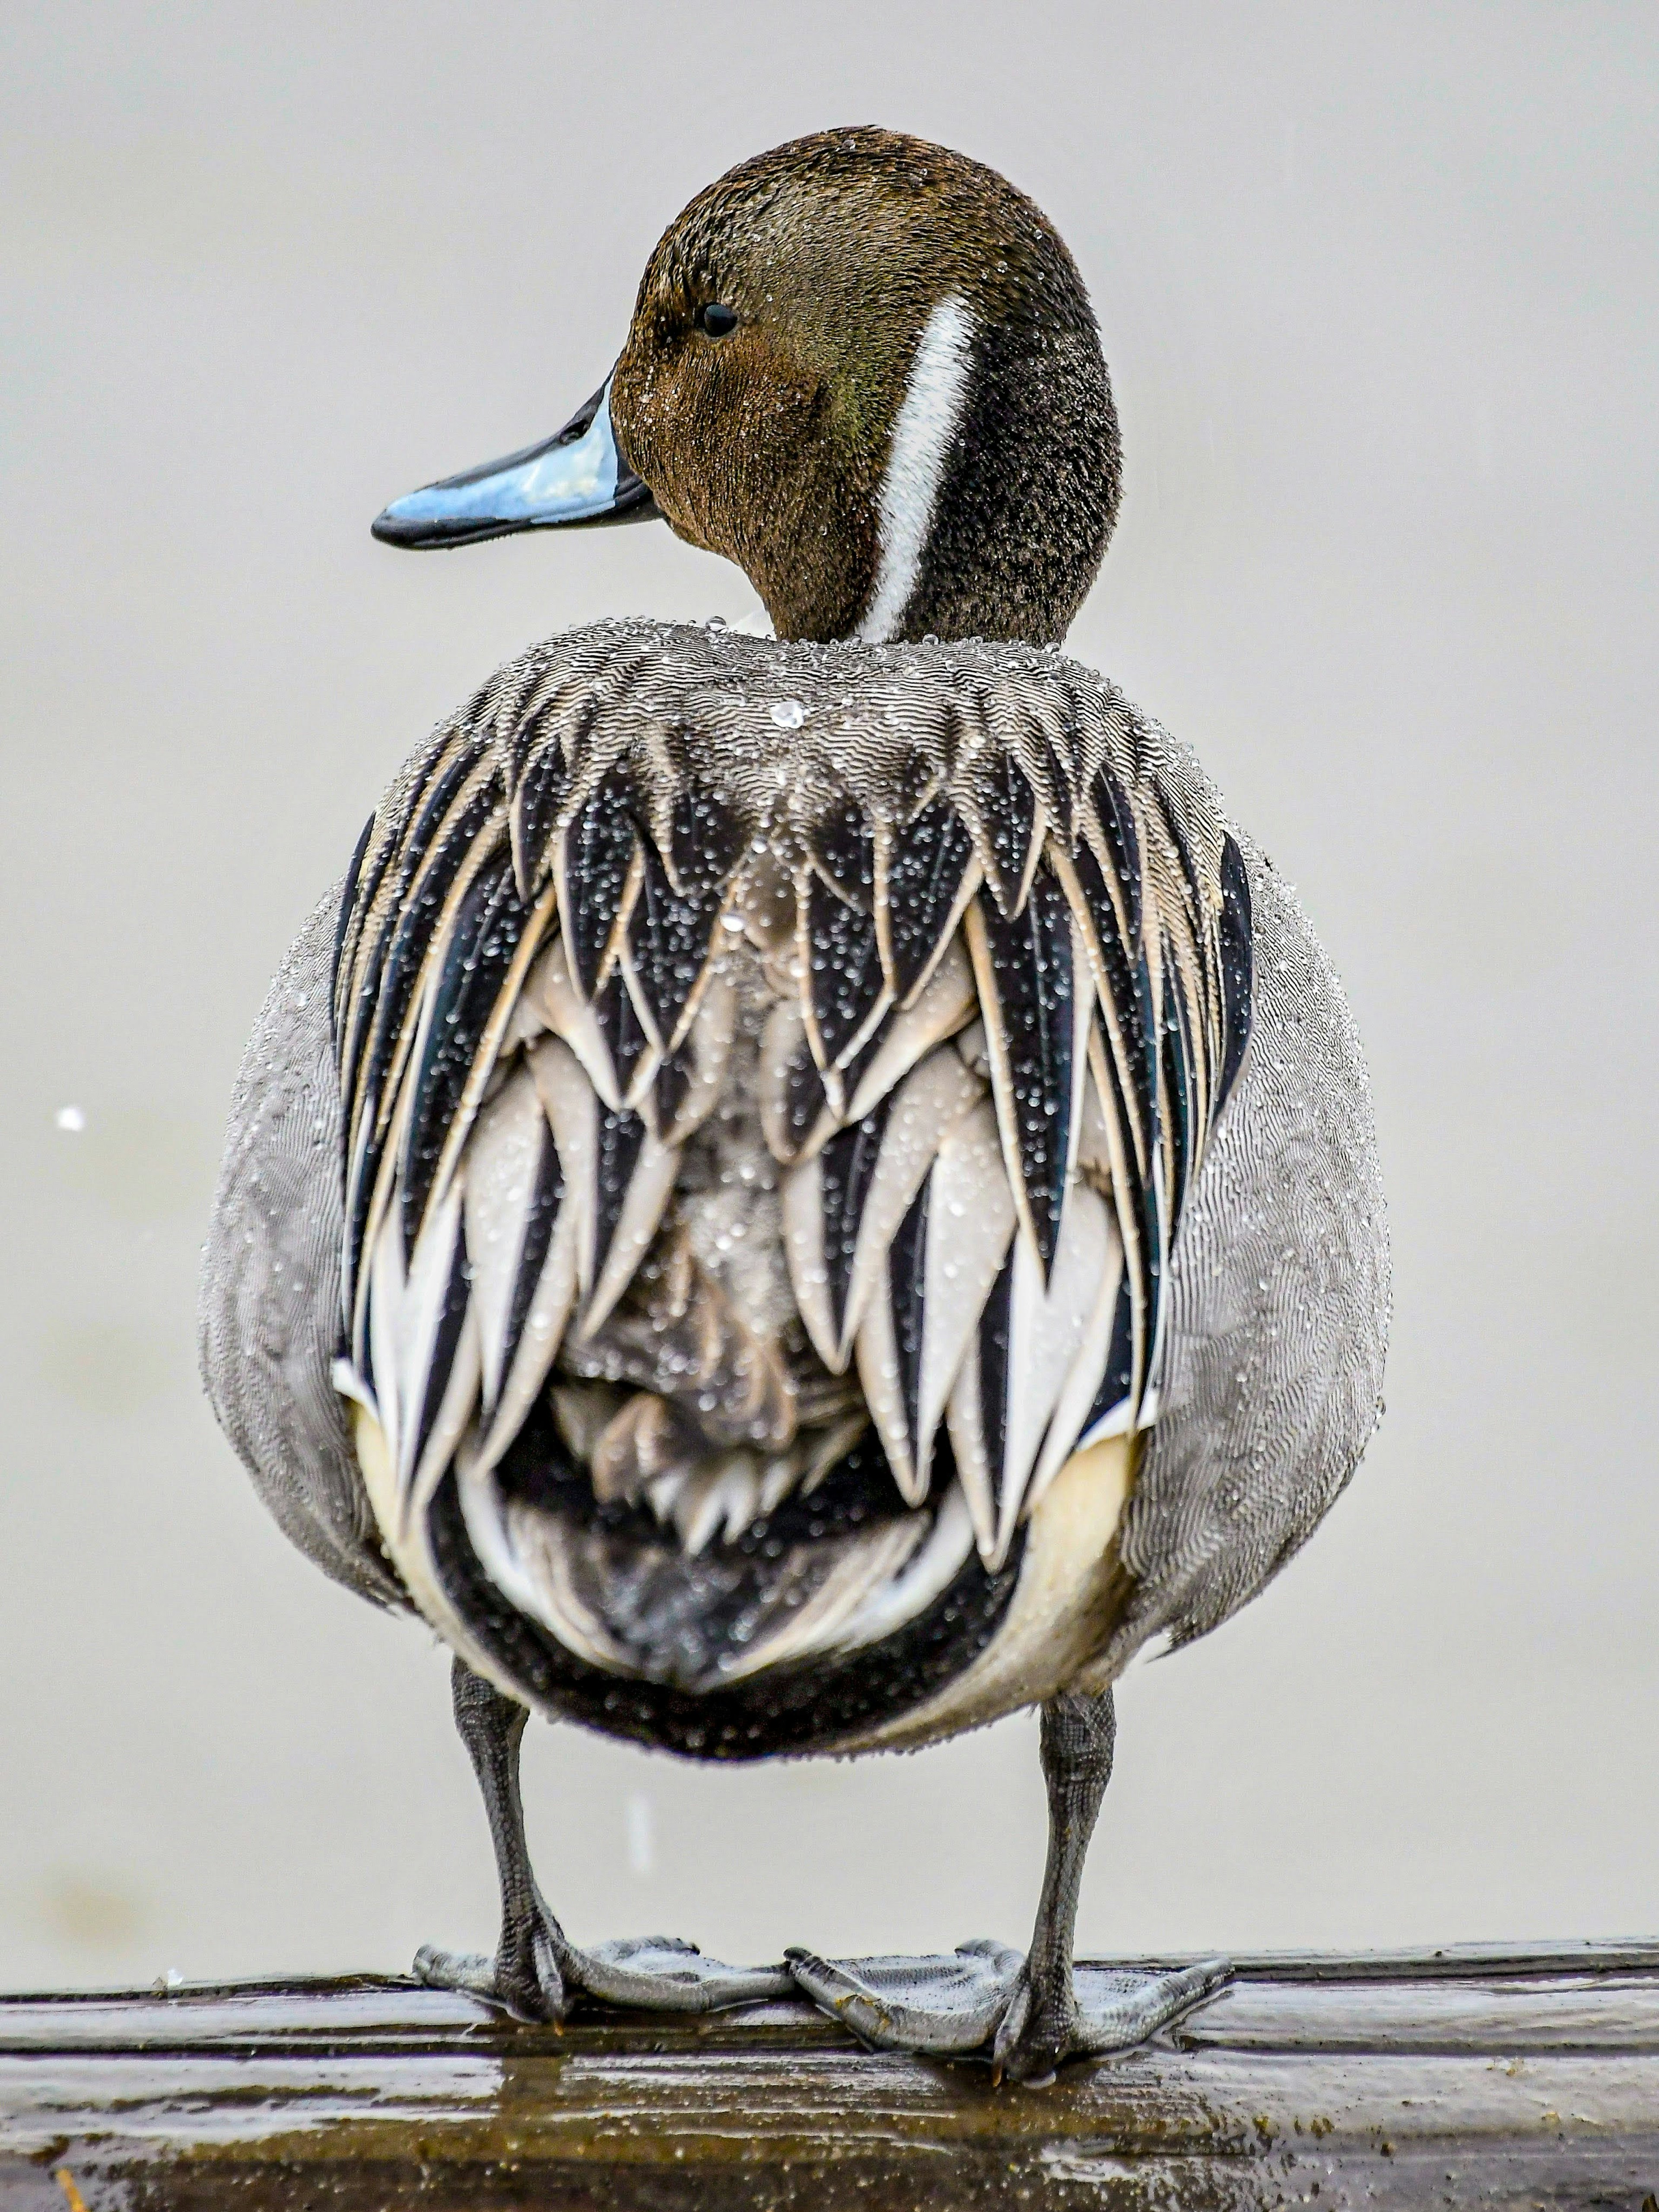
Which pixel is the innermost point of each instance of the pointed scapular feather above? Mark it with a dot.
(1120, 843)
(976, 1413)
(844, 852)
(1006, 808)
(1111, 1412)
(385, 1288)
(889, 1349)
(1177, 1067)
(370, 1075)
(569, 1101)
(843, 984)
(669, 941)
(933, 1098)
(514, 1186)
(595, 859)
(926, 1575)
(1030, 1338)
(428, 1332)
(1121, 985)
(945, 1004)
(1089, 1368)
(573, 1018)
(537, 1337)
(634, 1058)
(538, 793)
(706, 841)
(1134, 1204)
(619, 1138)
(791, 1088)
(1238, 967)
(923, 883)
(477, 952)
(970, 1224)
(396, 845)
(687, 1085)
(636, 1176)
(343, 926)
(907, 1301)
(847, 1168)
(452, 795)
(1023, 966)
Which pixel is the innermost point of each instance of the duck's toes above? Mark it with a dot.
(659, 1973)
(982, 2000)
(524, 1981)
(936, 2005)
(1099, 2012)
(538, 1979)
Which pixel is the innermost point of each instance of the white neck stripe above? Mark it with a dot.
(922, 435)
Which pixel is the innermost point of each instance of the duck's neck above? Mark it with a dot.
(1000, 487)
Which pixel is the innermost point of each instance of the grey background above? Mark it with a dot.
(1378, 287)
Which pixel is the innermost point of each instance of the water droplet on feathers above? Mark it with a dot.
(788, 714)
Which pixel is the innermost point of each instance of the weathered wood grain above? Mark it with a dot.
(1459, 2078)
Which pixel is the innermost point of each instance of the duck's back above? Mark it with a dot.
(772, 1081)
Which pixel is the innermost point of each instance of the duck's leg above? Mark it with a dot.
(1030, 2010)
(536, 1970)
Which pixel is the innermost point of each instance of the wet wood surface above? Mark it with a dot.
(1454, 2078)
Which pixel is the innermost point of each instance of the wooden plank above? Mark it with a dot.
(1495, 2078)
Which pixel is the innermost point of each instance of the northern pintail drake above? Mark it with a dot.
(805, 1193)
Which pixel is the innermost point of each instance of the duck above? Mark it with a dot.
(804, 1194)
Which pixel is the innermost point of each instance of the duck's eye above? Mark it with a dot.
(714, 321)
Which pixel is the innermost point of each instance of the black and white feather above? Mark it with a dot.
(742, 1047)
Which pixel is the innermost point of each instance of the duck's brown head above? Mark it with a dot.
(863, 367)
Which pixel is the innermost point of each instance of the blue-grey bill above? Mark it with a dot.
(575, 475)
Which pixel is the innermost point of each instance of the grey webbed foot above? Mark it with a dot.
(937, 2005)
(537, 1973)
(540, 1977)
(984, 2000)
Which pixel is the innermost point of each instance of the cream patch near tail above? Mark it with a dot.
(1062, 1612)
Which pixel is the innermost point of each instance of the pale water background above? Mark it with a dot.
(1378, 290)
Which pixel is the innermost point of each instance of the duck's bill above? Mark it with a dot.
(576, 476)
